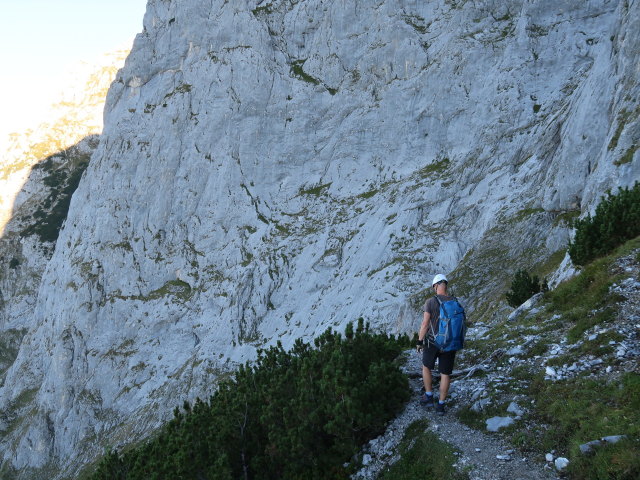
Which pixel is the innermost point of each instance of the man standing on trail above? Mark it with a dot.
(430, 352)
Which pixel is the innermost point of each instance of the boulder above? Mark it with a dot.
(496, 423)
(515, 409)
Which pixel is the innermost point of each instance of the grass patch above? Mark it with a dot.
(416, 22)
(627, 157)
(536, 31)
(317, 190)
(566, 218)
(585, 301)
(368, 194)
(522, 373)
(525, 213)
(298, 72)
(177, 288)
(574, 412)
(608, 462)
(623, 117)
(266, 9)
(477, 420)
(598, 348)
(437, 167)
(584, 323)
(424, 455)
(538, 349)
(181, 291)
(182, 88)
(561, 415)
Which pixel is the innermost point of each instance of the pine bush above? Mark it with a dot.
(616, 220)
(523, 287)
(298, 414)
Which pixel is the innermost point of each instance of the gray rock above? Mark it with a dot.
(587, 448)
(517, 350)
(480, 405)
(613, 438)
(525, 307)
(561, 463)
(476, 394)
(496, 423)
(515, 409)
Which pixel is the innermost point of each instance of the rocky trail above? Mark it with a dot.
(484, 456)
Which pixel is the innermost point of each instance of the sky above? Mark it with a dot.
(40, 40)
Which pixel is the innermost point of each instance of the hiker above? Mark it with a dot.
(444, 353)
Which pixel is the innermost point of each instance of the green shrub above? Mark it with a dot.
(616, 220)
(298, 414)
(523, 287)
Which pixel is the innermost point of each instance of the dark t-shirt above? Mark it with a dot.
(433, 307)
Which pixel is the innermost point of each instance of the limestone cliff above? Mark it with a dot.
(271, 169)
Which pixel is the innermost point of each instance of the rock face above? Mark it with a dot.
(268, 170)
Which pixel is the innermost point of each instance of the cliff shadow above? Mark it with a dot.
(38, 212)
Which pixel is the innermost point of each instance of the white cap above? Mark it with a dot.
(439, 278)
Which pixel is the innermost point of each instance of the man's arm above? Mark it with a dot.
(423, 331)
(424, 326)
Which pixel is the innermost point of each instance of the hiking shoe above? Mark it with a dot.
(440, 408)
(426, 400)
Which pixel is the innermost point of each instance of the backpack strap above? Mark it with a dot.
(433, 333)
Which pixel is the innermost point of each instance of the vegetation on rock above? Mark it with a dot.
(291, 414)
(616, 220)
(62, 181)
(523, 287)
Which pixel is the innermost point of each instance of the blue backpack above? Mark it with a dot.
(452, 326)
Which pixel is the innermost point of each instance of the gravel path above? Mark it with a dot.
(484, 456)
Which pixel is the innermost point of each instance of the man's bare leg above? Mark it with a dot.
(426, 378)
(445, 381)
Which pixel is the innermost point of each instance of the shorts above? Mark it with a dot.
(445, 359)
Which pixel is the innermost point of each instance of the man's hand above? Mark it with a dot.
(419, 346)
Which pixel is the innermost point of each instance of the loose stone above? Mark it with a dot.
(561, 463)
(496, 423)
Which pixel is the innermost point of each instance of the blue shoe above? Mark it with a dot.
(440, 409)
(426, 400)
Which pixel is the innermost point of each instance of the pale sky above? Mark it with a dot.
(41, 39)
